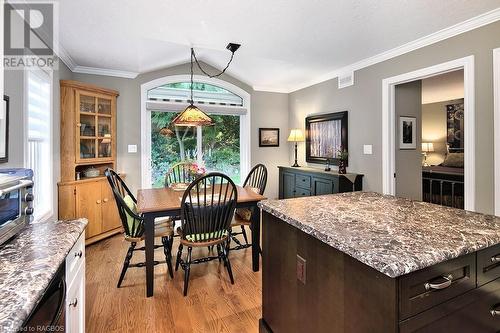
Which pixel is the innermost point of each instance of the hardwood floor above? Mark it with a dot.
(212, 303)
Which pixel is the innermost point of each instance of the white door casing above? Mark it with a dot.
(388, 123)
(496, 101)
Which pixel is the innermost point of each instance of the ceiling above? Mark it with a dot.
(286, 44)
(444, 87)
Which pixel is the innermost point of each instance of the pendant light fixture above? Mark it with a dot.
(192, 115)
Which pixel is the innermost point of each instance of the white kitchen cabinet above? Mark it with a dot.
(75, 287)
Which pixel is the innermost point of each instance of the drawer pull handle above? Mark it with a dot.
(494, 311)
(439, 286)
(78, 254)
(495, 258)
(74, 302)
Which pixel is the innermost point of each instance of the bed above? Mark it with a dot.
(444, 184)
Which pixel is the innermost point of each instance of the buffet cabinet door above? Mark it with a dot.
(475, 311)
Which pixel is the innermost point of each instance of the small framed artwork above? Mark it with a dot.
(269, 137)
(407, 133)
(4, 130)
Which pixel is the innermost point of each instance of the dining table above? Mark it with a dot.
(153, 203)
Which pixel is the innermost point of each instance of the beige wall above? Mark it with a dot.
(267, 110)
(408, 169)
(434, 129)
(364, 103)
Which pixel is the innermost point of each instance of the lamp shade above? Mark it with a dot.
(192, 116)
(427, 147)
(296, 135)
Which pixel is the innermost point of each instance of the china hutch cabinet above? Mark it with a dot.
(88, 147)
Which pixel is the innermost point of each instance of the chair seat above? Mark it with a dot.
(161, 230)
(187, 242)
(238, 221)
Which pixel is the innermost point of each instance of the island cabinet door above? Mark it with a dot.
(322, 186)
(473, 312)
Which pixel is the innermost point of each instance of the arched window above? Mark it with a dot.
(223, 147)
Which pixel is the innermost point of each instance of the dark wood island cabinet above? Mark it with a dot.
(364, 262)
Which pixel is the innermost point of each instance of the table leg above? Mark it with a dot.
(255, 238)
(149, 234)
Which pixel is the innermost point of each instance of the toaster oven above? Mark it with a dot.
(16, 201)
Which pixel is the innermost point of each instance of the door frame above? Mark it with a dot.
(496, 102)
(389, 123)
(245, 121)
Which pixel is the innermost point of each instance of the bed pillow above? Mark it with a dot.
(454, 160)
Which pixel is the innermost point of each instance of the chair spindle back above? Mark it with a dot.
(207, 208)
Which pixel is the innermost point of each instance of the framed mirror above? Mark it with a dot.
(4, 130)
(326, 136)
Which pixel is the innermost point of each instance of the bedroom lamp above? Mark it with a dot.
(295, 136)
(427, 147)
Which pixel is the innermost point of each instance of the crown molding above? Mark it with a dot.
(438, 36)
(66, 58)
(104, 72)
(271, 89)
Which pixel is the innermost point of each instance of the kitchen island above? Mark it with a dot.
(364, 262)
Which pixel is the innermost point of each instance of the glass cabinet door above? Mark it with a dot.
(94, 133)
(104, 106)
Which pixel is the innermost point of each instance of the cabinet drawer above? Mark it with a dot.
(488, 264)
(75, 258)
(468, 313)
(431, 286)
(303, 181)
(299, 192)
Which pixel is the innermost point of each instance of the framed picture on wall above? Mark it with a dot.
(407, 132)
(4, 130)
(269, 137)
(326, 136)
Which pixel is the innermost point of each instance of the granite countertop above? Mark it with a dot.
(392, 235)
(28, 264)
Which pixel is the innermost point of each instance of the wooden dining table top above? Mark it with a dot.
(166, 198)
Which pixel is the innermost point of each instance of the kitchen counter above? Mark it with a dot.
(365, 262)
(392, 235)
(27, 265)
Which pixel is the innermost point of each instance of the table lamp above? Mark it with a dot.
(296, 136)
(427, 147)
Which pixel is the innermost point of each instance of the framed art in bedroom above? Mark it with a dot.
(326, 137)
(407, 132)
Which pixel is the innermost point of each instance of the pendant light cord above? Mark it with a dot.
(193, 55)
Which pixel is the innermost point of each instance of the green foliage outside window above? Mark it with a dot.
(221, 145)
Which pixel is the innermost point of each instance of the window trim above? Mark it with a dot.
(245, 121)
(50, 77)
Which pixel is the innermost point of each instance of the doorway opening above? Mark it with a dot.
(428, 134)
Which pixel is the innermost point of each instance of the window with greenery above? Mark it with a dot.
(202, 93)
(220, 145)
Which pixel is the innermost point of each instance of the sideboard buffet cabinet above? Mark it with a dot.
(88, 147)
(305, 182)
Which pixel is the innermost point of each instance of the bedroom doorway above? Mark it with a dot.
(442, 134)
(428, 134)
